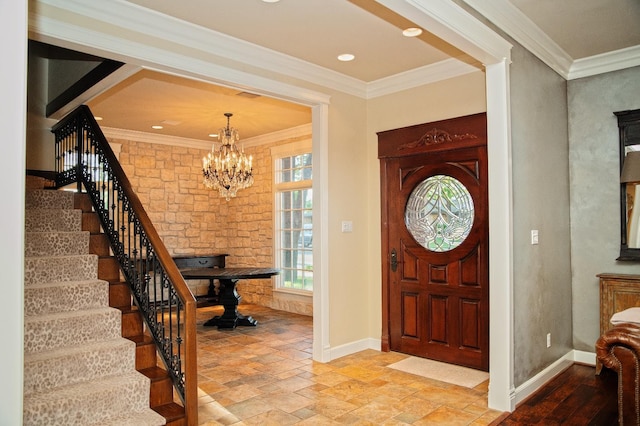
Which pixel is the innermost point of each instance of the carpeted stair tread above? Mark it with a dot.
(48, 199)
(60, 268)
(78, 369)
(74, 364)
(65, 296)
(51, 331)
(87, 403)
(42, 220)
(56, 243)
(143, 418)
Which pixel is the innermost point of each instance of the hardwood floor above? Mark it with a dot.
(575, 397)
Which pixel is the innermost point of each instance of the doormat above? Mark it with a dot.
(449, 373)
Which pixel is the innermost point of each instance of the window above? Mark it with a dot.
(294, 217)
(439, 213)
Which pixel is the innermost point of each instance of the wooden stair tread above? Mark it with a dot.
(172, 411)
(155, 373)
(141, 339)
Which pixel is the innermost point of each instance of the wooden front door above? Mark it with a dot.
(435, 241)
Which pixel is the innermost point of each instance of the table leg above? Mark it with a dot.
(230, 299)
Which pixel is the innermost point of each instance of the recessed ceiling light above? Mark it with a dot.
(213, 135)
(346, 57)
(412, 32)
(271, 1)
(98, 118)
(156, 127)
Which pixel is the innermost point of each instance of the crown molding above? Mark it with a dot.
(518, 26)
(154, 138)
(433, 73)
(170, 31)
(606, 62)
(291, 133)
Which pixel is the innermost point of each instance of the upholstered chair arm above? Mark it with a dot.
(619, 350)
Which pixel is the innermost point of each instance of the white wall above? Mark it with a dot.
(595, 191)
(13, 28)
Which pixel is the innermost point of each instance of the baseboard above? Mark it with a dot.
(582, 357)
(529, 387)
(353, 347)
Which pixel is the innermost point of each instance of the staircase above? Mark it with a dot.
(87, 360)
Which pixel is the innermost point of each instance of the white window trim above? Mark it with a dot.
(290, 149)
(278, 152)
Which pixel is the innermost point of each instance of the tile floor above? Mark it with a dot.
(265, 375)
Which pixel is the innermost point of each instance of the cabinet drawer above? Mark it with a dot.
(200, 261)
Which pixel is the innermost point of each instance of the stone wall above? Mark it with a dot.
(193, 220)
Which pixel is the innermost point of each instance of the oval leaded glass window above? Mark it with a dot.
(439, 213)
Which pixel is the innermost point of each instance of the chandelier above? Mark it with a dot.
(227, 169)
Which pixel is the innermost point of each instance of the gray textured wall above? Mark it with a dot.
(595, 199)
(542, 273)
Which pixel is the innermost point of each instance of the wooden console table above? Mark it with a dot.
(216, 260)
(229, 297)
(617, 293)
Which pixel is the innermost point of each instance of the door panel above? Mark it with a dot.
(410, 314)
(438, 319)
(435, 218)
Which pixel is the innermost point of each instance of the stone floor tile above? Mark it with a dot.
(446, 416)
(331, 407)
(238, 393)
(376, 412)
(249, 408)
(272, 418)
(286, 401)
(265, 375)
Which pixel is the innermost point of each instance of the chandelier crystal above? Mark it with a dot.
(227, 169)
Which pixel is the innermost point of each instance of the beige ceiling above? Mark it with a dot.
(191, 109)
(316, 32)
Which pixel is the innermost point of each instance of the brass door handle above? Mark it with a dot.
(394, 260)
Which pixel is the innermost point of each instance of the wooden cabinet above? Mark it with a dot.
(617, 293)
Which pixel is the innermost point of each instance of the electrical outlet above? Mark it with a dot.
(548, 340)
(347, 226)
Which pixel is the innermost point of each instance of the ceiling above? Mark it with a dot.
(310, 34)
